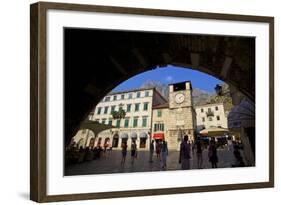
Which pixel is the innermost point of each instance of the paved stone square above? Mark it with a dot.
(111, 163)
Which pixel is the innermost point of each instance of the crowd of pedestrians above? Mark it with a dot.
(159, 152)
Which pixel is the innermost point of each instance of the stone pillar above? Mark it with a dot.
(248, 153)
(129, 142)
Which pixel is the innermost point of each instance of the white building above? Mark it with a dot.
(148, 116)
(136, 124)
(210, 115)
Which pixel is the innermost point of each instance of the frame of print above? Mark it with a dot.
(47, 23)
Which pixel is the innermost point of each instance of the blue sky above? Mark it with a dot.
(171, 74)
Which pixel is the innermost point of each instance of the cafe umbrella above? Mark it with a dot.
(214, 131)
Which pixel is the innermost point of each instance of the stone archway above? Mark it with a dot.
(115, 140)
(96, 61)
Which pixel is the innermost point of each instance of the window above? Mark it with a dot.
(99, 110)
(110, 121)
(130, 96)
(112, 108)
(202, 110)
(203, 119)
(210, 119)
(142, 142)
(105, 110)
(159, 113)
(135, 124)
(103, 121)
(209, 110)
(144, 121)
(145, 106)
(126, 122)
(106, 99)
(158, 127)
(146, 93)
(129, 108)
(179, 86)
(137, 107)
(138, 94)
(216, 108)
(114, 97)
(218, 117)
(118, 123)
(122, 97)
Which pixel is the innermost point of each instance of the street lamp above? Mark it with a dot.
(218, 89)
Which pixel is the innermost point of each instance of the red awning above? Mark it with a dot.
(158, 136)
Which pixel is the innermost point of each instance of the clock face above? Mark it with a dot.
(179, 98)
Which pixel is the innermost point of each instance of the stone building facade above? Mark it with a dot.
(175, 118)
(211, 115)
(148, 116)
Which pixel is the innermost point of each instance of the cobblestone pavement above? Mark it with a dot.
(111, 163)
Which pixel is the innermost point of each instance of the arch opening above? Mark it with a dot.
(121, 55)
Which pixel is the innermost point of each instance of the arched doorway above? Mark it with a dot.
(99, 141)
(81, 143)
(124, 137)
(92, 143)
(115, 140)
(134, 136)
(143, 139)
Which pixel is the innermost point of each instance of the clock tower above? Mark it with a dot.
(180, 95)
(181, 113)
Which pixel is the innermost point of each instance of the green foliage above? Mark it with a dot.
(120, 114)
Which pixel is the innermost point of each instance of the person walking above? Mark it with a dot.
(184, 158)
(151, 150)
(199, 153)
(158, 150)
(133, 151)
(238, 158)
(212, 153)
(124, 152)
(164, 154)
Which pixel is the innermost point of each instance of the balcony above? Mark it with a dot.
(210, 114)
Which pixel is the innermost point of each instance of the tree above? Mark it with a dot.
(120, 114)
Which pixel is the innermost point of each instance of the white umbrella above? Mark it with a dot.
(214, 131)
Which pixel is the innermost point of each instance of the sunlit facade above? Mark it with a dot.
(211, 115)
(149, 116)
